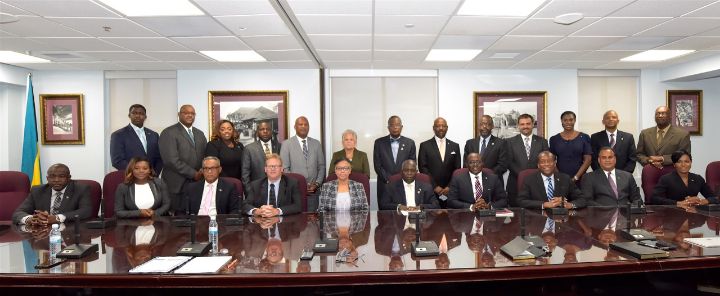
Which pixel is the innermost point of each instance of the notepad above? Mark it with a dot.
(705, 242)
(160, 264)
(504, 213)
(204, 264)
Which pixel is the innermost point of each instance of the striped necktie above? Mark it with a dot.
(56, 203)
(550, 189)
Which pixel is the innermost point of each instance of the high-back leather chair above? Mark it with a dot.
(14, 188)
(110, 184)
(420, 176)
(357, 177)
(238, 187)
(650, 176)
(302, 184)
(95, 195)
(712, 176)
(521, 177)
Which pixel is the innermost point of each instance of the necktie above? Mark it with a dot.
(549, 225)
(190, 133)
(527, 147)
(613, 185)
(612, 140)
(550, 189)
(272, 200)
(56, 203)
(442, 149)
(306, 153)
(660, 135)
(482, 147)
(394, 144)
(478, 188)
(267, 150)
(478, 226)
(143, 140)
(207, 201)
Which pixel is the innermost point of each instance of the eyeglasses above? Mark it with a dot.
(273, 167)
(211, 168)
(343, 169)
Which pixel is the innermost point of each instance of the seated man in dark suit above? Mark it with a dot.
(608, 186)
(273, 195)
(55, 202)
(135, 140)
(549, 188)
(467, 191)
(213, 195)
(397, 193)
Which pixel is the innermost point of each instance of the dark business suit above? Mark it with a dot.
(227, 199)
(125, 206)
(625, 153)
(287, 195)
(675, 139)
(518, 161)
(125, 144)
(596, 189)
(383, 161)
(75, 201)
(389, 231)
(395, 195)
(461, 191)
(533, 193)
(430, 163)
(181, 160)
(494, 157)
(253, 162)
(670, 189)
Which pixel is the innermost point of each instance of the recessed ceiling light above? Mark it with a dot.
(409, 26)
(656, 55)
(242, 28)
(452, 55)
(153, 7)
(6, 18)
(568, 18)
(234, 55)
(11, 57)
(499, 8)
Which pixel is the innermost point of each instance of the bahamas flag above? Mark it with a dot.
(31, 154)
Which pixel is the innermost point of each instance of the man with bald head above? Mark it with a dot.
(621, 142)
(182, 148)
(408, 193)
(439, 157)
(304, 155)
(657, 143)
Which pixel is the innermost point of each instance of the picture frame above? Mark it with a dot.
(686, 110)
(245, 109)
(506, 106)
(62, 119)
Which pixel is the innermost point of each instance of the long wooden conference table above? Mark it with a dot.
(266, 252)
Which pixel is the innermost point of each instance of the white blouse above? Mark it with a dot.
(343, 201)
(144, 198)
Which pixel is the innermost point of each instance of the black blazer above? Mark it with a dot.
(670, 189)
(461, 192)
(75, 201)
(430, 162)
(125, 144)
(383, 157)
(125, 206)
(494, 156)
(288, 195)
(395, 195)
(625, 152)
(227, 199)
(596, 189)
(533, 193)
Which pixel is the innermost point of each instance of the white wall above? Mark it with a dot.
(12, 109)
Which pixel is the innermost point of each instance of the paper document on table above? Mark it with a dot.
(705, 242)
(160, 264)
(204, 264)
(504, 213)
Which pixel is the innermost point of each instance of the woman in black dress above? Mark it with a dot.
(225, 146)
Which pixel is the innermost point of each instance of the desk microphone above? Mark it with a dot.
(240, 219)
(634, 234)
(77, 250)
(558, 211)
(489, 212)
(187, 221)
(323, 244)
(101, 223)
(423, 248)
(193, 248)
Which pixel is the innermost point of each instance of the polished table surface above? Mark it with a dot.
(266, 252)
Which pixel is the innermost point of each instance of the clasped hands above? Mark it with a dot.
(266, 211)
(41, 218)
(480, 205)
(557, 202)
(692, 201)
(656, 161)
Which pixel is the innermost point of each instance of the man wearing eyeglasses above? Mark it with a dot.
(476, 190)
(274, 195)
(213, 195)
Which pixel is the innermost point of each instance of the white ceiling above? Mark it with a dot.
(85, 34)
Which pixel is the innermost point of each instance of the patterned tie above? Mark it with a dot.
(550, 189)
(549, 225)
(527, 147)
(478, 188)
(482, 147)
(272, 200)
(612, 140)
(442, 150)
(660, 135)
(613, 185)
(478, 226)
(143, 140)
(56, 203)
(267, 150)
(306, 153)
(207, 201)
(190, 133)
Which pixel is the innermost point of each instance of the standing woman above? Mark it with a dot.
(572, 148)
(342, 194)
(358, 159)
(225, 146)
(681, 187)
(141, 195)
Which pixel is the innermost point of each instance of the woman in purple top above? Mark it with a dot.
(572, 148)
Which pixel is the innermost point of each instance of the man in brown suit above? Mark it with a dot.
(657, 143)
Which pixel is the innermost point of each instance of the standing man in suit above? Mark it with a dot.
(389, 152)
(523, 151)
(274, 195)
(135, 140)
(253, 163)
(408, 194)
(304, 155)
(609, 186)
(182, 148)
(656, 144)
(491, 148)
(213, 195)
(621, 142)
(476, 190)
(55, 202)
(439, 157)
(549, 188)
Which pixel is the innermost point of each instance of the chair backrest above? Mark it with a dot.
(712, 176)
(522, 175)
(95, 195)
(302, 183)
(110, 184)
(238, 186)
(650, 177)
(420, 176)
(14, 188)
(459, 171)
(357, 177)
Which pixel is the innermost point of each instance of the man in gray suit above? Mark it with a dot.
(608, 186)
(253, 162)
(523, 151)
(182, 148)
(657, 143)
(304, 155)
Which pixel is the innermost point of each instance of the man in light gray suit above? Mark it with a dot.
(253, 162)
(304, 155)
(182, 148)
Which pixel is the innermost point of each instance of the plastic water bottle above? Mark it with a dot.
(213, 234)
(55, 241)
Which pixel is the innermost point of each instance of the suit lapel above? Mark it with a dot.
(136, 138)
(264, 192)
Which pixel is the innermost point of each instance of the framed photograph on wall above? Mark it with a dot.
(62, 119)
(686, 110)
(246, 109)
(505, 107)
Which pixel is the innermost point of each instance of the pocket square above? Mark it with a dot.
(452, 152)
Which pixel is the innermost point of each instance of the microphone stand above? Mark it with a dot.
(423, 248)
(193, 248)
(77, 250)
(489, 212)
(323, 244)
(634, 234)
(101, 223)
(187, 221)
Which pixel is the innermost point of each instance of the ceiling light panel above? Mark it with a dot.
(154, 7)
(656, 55)
(499, 8)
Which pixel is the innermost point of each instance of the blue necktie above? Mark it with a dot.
(550, 189)
(272, 200)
